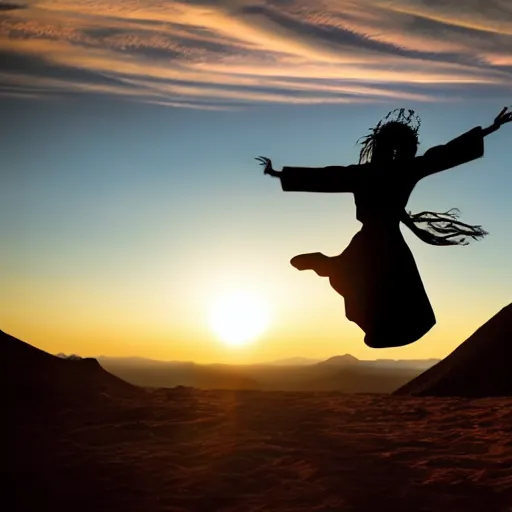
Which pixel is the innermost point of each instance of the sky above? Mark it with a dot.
(130, 200)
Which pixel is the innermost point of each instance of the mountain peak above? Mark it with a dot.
(344, 360)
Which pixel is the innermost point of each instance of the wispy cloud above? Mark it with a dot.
(230, 53)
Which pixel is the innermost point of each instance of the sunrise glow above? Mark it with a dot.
(238, 318)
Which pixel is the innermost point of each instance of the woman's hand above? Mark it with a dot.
(267, 163)
(505, 116)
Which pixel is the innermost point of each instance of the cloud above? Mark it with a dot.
(231, 53)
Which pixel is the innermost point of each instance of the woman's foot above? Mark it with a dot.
(316, 261)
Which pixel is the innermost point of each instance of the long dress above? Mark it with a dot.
(377, 274)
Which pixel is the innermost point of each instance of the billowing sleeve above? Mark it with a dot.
(465, 148)
(319, 179)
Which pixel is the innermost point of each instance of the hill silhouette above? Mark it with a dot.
(345, 360)
(38, 378)
(479, 367)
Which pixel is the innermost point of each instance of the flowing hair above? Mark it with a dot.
(430, 227)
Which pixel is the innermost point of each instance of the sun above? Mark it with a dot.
(238, 318)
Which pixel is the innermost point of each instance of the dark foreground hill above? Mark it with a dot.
(36, 378)
(479, 367)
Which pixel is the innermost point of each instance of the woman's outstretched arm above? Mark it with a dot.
(314, 179)
(465, 148)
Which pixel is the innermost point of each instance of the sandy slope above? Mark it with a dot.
(478, 367)
(248, 451)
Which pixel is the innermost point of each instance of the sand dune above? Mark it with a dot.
(479, 367)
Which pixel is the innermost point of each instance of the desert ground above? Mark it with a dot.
(183, 449)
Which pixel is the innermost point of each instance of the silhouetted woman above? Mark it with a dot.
(376, 274)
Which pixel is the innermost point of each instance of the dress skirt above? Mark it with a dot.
(382, 288)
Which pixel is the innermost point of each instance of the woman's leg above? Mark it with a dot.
(316, 261)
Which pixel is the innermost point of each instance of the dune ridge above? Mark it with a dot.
(478, 367)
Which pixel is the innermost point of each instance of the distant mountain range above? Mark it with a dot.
(348, 359)
(478, 367)
(341, 360)
(339, 373)
(343, 373)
